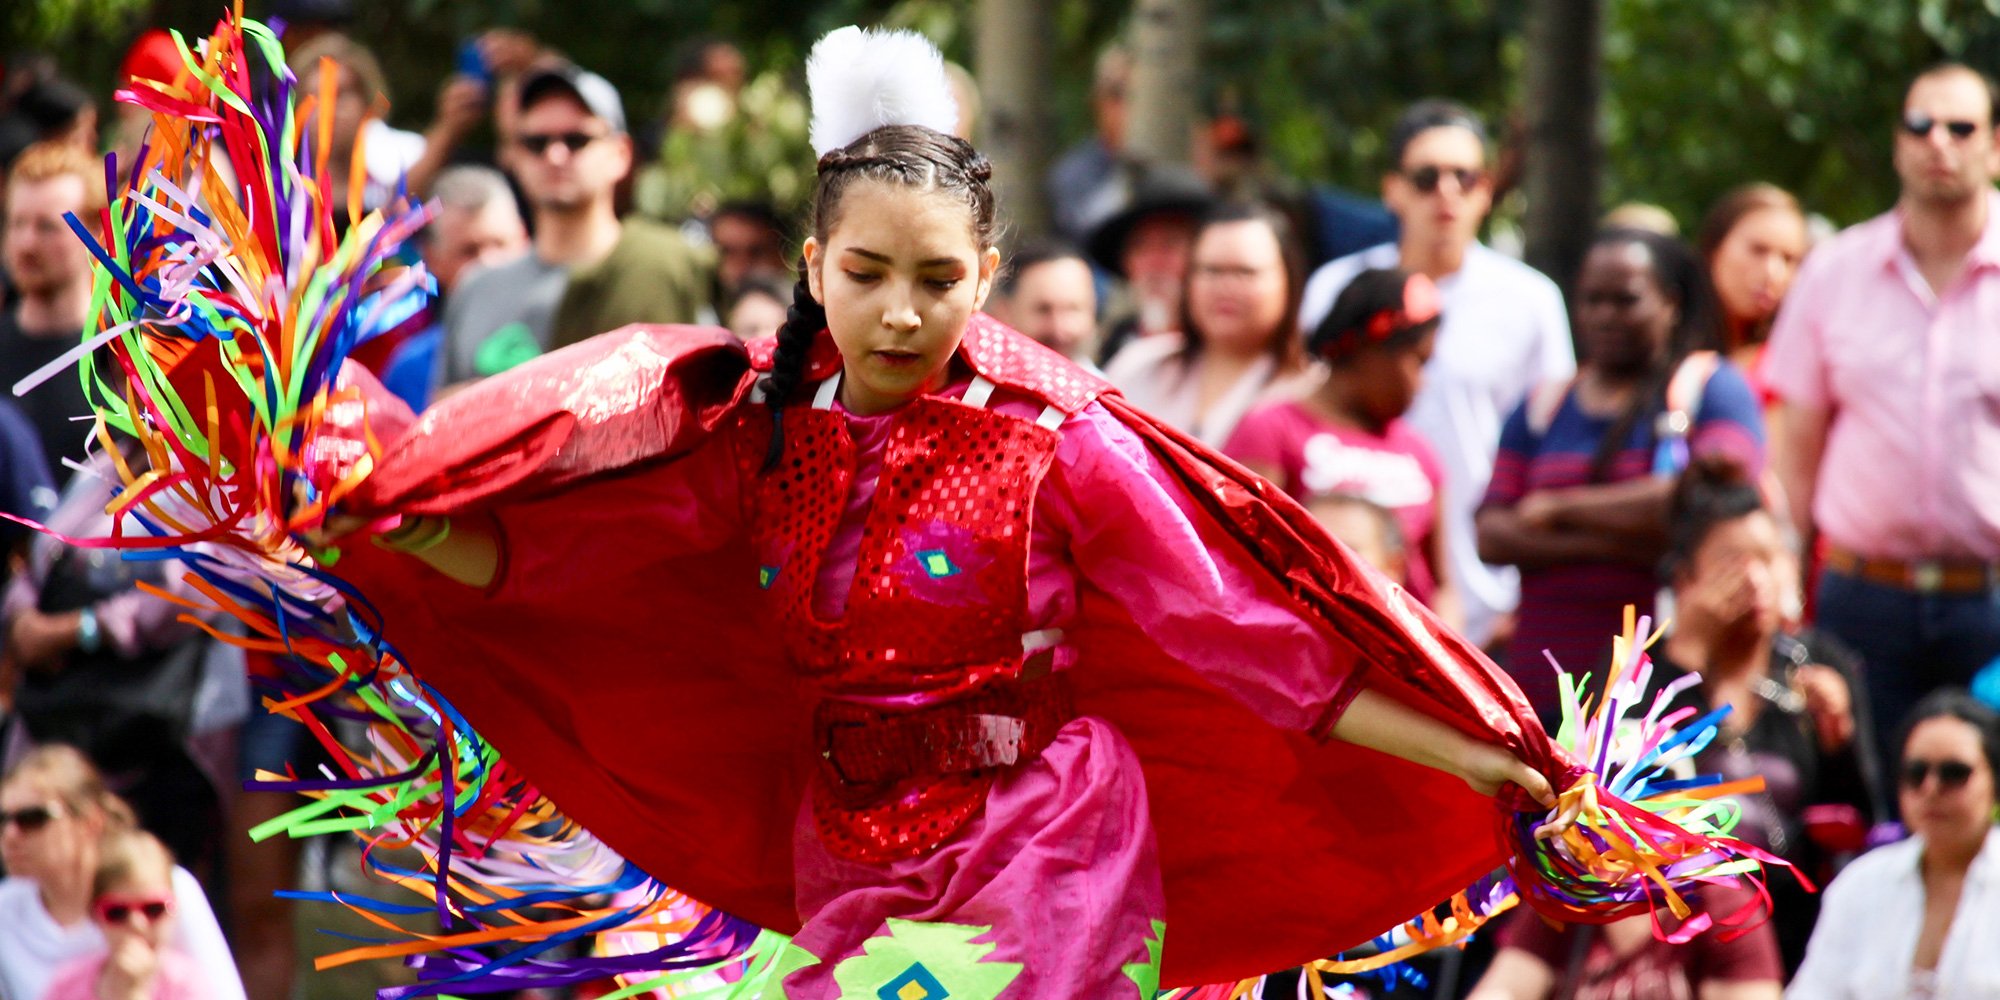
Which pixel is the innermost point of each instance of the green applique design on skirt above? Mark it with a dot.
(1146, 974)
(920, 961)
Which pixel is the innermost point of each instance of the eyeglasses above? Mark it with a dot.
(1920, 126)
(1426, 179)
(30, 819)
(1224, 272)
(573, 142)
(1951, 774)
(119, 909)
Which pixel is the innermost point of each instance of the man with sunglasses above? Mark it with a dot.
(1886, 361)
(589, 271)
(1505, 329)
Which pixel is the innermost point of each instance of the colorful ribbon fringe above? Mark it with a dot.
(1648, 827)
(224, 230)
(247, 255)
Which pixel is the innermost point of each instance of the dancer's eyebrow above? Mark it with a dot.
(872, 255)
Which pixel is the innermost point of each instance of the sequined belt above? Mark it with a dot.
(1006, 723)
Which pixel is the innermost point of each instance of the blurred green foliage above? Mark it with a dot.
(1699, 94)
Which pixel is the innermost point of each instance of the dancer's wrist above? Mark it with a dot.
(416, 535)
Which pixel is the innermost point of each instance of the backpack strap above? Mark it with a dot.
(1690, 382)
(1676, 423)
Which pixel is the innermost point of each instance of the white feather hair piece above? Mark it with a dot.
(860, 80)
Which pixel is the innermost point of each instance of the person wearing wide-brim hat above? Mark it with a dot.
(1144, 239)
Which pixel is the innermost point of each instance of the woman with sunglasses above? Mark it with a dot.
(1921, 919)
(133, 906)
(1348, 435)
(55, 815)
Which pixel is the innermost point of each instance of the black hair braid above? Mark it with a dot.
(803, 322)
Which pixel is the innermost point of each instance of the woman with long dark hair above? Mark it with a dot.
(1238, 327)
(1579, 493)
(1753, 241)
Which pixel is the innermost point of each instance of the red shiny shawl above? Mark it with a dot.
(623, 674)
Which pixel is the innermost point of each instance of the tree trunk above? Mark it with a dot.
(1012, 62)
(1564, 56)
(1165, 101)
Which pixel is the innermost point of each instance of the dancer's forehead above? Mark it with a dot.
(899, 225)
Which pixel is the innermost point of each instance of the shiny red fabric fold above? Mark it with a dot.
(624, 673)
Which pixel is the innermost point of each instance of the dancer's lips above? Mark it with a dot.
(897, 358)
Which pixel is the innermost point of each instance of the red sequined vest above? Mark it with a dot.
(928, 688)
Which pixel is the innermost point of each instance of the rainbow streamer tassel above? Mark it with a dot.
(1643, 835)
(223, 230)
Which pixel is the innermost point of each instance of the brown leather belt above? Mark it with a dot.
(1011, 722)
(1926, 576)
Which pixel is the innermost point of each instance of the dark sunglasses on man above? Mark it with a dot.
(1919, 125)
(1951, 774)
(574, 142)
(1426, 179)
(29, 818)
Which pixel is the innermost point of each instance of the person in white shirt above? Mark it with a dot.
(1505, 328)
(1920, 920)
(54, 807)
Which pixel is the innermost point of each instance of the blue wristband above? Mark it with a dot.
(89, 639)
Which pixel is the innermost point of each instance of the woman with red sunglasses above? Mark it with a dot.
(1919, 919)
(1348, 435)
(59, 824)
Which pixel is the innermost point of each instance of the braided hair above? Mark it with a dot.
(913, 156)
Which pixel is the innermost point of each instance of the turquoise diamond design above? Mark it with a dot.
(937, 564)
(766, 575)
(915, 983)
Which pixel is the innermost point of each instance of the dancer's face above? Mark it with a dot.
(900, 273)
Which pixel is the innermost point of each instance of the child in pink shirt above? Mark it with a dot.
(133, 905)
(1348, 436)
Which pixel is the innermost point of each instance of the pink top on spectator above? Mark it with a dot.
(1912, 382)
(1396, 469)
(178, 979)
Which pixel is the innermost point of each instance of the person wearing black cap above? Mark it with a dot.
(590, 271)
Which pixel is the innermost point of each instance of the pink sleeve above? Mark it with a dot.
(1189, 587)
(1794, 363)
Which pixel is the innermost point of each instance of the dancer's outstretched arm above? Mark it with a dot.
(1379, 722)
(467, 549)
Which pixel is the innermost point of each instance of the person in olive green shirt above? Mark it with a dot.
(589, 271)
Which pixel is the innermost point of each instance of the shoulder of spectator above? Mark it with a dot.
(1870, 873)
(1326, 281)
(645, 245)
(1138, 358)
(1728, 395)
(393, 144)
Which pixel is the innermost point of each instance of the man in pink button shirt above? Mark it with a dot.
(1886, 361)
